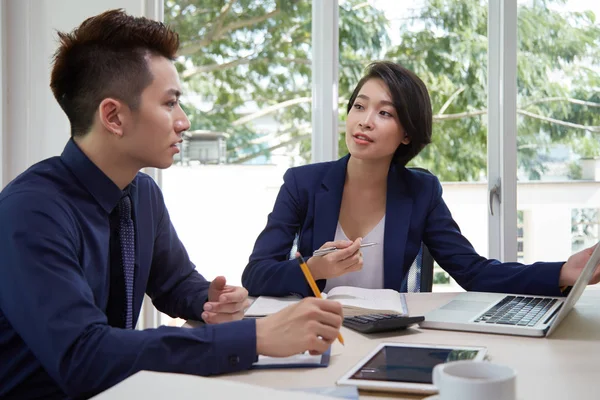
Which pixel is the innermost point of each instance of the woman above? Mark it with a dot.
(370, 196)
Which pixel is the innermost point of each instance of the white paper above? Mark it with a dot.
(356, 301)
(304, 358)
(265, 305)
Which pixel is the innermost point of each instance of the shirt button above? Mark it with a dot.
(234, 360)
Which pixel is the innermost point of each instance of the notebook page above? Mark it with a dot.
(265, 305)
(304, 358)
(360, 301)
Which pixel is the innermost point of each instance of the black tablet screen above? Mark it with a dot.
(408, 364)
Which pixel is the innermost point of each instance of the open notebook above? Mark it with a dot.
(355, 301)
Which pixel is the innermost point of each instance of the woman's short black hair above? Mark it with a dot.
(411, 101)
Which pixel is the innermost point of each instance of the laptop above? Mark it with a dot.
(509, 314)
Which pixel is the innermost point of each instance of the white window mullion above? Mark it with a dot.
(325, 80)
(502, 129)
(150, 317)
(3, 130)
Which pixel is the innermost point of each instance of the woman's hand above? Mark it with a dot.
(348, 258)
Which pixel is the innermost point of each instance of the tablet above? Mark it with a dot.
(402, 367)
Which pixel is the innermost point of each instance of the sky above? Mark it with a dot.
(398, 10)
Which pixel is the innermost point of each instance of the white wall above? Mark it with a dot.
(34, 127)
(218, 211)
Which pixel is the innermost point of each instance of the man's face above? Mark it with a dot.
(152, 133)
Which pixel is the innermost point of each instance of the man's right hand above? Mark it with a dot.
(311, 324)
(337, 263)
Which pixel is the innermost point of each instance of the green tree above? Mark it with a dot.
(450, 54)
(249, 58)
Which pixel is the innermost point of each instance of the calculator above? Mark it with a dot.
(373, 323)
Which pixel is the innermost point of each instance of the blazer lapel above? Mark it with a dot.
(328, 201)
(398, 211)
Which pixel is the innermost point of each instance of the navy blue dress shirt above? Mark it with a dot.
(55, 287)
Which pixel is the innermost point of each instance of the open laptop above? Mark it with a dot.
(507, 313)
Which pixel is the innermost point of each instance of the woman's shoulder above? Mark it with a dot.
(421, 175)
(314, 167)
(421, 182)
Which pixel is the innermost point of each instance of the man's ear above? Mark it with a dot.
(111, 115)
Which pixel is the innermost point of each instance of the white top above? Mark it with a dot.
(371, 274)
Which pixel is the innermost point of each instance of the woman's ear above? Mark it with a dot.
(405, 139)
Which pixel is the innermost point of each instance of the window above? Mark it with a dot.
(558, 108)
(520, 241)
(445, 43)
(585, 228)
(245, 69)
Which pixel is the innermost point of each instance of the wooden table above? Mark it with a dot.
(564, 366)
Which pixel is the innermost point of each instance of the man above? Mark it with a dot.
(83, 236)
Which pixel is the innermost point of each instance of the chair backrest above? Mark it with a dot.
(420, 274)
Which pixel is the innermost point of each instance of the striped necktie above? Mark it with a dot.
(127, 238)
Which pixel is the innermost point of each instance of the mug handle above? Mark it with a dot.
(436, 377)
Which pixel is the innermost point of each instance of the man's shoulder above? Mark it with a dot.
(149, 195)
(28, 205)
(45, 180)
(147, 188)
(145, 181)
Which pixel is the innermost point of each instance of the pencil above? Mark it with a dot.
(313, 285)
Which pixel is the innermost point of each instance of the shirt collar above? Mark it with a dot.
(105, 191)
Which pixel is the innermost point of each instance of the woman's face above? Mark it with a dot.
(373, 130)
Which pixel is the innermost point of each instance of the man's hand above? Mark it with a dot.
(337, 263)
(225, 303)
(312, 324)
(571, 270)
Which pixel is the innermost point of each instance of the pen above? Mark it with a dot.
(313, 285)
(327, 250)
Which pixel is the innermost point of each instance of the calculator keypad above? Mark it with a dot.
(373, 323)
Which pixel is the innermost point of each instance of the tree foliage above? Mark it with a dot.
(244, 59)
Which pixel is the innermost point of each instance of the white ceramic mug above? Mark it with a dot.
(475, 380)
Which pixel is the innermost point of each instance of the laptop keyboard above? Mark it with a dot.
(517, 310)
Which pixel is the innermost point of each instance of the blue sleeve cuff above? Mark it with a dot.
(235, 345)
(198, 306)
(299, 285)
(547, 276)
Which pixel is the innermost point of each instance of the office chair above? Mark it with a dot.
(420, 275)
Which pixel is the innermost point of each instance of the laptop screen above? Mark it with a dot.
(578, 288)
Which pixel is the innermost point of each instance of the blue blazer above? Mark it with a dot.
(308, 207)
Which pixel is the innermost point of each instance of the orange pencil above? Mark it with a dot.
(313, 285)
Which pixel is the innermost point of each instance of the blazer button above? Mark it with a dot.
(234, 360)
